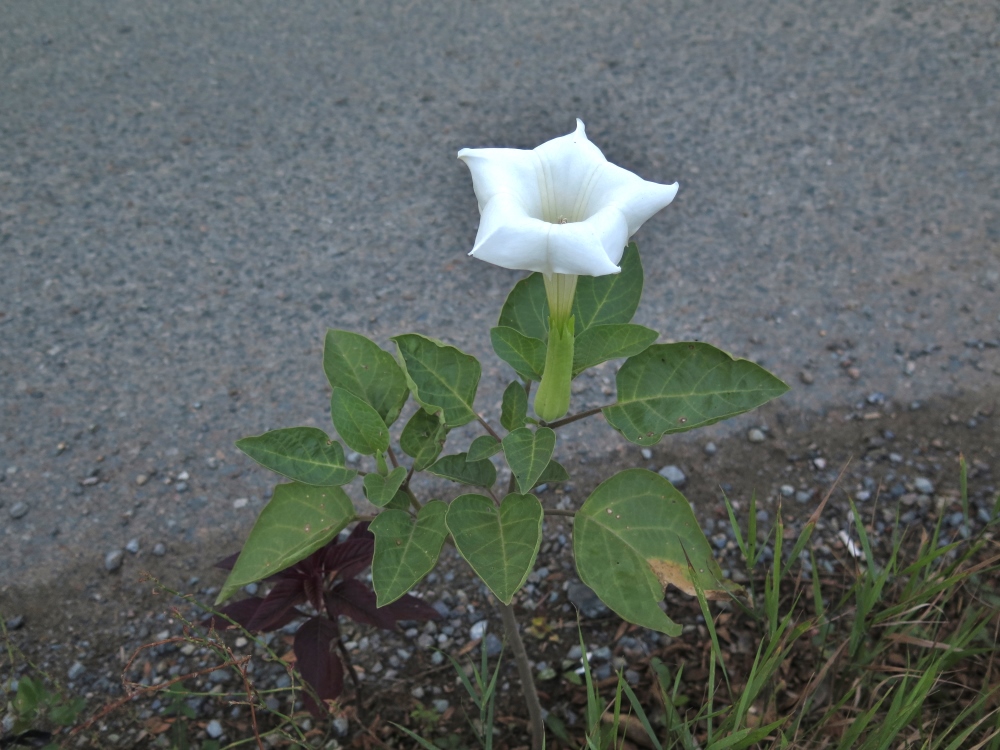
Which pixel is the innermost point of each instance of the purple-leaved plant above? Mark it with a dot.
(325, 581)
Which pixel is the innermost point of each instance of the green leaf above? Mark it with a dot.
(500, 545)
(672, 388)
(632, 537)
(526, 355)
(381, 490)
(304, 454)
(458, 468)
(400, 501)
(359, 424)
(554, 473)
(297, 521)
(483, 446)
(443, 378)
(528, 454)
(360, 366)
(611, 299)
(406, 551)
(603, 342)
(514, 409)
(526, 309)
(423, 438)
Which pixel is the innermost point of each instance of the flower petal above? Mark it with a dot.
(498, 171)
(566, 168)
(509, 238)
(636, 198)
(589, 248)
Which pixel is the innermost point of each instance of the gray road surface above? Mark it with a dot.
(191, 193)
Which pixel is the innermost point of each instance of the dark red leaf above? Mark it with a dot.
(361, 532)
(227, 563)
(278, 607)
(243, 612)
(355, 600)
(318, 662)
(350, 558)
(409, 607)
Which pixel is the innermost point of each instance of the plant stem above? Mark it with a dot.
(513, 635)
(574, 417)
(489, 429)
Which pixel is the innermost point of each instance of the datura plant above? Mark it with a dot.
(565, 214)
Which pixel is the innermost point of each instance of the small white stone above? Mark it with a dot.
(756, 435)
(240, 502)
(819, 463)
(674, 475)
(647, 453)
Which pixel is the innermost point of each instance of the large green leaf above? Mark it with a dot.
(526, 308)
(458, 468)
(514, 408)
(676, 387)
(443, 378)
(500, 544)
(526, 355)
(603, 342)
(304, 454)
(528, 453)
(634, 535)
(406, 551)
(611, 299)
(423, 438)
(358, 423)
(360, 366)
(298, 520)
(380, 490)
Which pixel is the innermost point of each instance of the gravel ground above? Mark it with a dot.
(895, 458)
(191, 194)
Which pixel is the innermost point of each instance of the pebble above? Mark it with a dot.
(710, 448)
(133, 546)
(895, 458)
(647, 453)
(862, 496)
(417, 692)
(18, 510)
(76, 671)
(159, 549)
(589, 604)
(924, 485)
(181, 487)
(113, 560)
(806, 377)
(755, 435)
(353, 457)
(787, 490)
(214, 729)
(441, 705)
(803, 496)
(341, 726)
(674, 475)
(141, 479)
(241, 502)
(494, 646)
(15, 622)
(477, 631)
(819, 463)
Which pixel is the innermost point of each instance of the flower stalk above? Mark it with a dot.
(552, 399)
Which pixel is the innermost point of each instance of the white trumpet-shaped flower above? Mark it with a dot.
(561, 208)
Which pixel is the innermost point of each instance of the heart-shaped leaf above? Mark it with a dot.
(500, 544)
(634, 535)
(611, 299)
(603, 342)
(406, 551)
(514, 408)
(528, 454)
(482, 447)
(423, 438)
(672, 388)
(304, 454)
(554, 473)
(526, 308)
(526, 355)
(381, 490)
(360, 366)
(443, 378)
(458, 468)
(358, 423)
(297, 521)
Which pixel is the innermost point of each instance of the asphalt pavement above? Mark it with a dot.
(191, 193)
